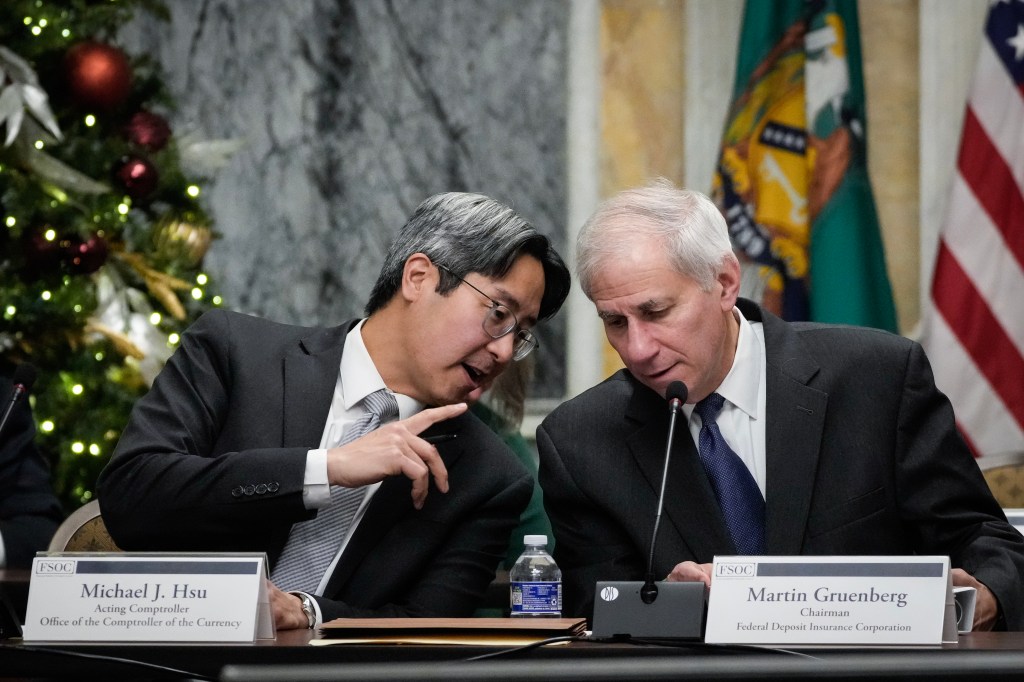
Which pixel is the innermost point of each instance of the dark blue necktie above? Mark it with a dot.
(737, 492)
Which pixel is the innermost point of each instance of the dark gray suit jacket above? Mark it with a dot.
(213, 459)
(29, 510)
(862, 455)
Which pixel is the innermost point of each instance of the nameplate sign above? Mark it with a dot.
(830, 600)
(148, 597)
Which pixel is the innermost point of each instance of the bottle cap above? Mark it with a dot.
(535, 539)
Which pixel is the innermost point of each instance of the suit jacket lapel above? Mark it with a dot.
(795, 423)
(690, 503)
(391, 502)
(310, 374)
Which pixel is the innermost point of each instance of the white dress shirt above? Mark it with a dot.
(742, 417)
(357, 378)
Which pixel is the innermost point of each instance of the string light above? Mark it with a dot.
(217, 300)
(59, 194)
(58, 222)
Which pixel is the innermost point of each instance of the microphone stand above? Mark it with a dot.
(19, 390)
(649, 590)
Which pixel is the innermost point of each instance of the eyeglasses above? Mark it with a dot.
(500, 321)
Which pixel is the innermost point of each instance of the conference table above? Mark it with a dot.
(291, 656)
(989, 656)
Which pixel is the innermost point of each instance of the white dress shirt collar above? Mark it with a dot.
(737, 386)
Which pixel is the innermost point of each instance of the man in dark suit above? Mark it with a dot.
(29, 511)
(846, 443)
(236, 443)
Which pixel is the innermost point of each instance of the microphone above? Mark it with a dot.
(23, 380)
(676, 396)
(666, 610)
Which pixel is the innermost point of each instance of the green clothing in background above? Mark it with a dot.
(534, 521)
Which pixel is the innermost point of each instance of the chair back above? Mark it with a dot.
(83, 531)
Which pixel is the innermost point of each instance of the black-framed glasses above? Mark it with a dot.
(500, 321)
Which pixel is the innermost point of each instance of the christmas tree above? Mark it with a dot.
(103, 233)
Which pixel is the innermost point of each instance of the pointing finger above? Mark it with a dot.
(424, 419)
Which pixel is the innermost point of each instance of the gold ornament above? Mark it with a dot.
(182, 237)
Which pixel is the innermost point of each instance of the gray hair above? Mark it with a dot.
(470, 233)
(688, 224)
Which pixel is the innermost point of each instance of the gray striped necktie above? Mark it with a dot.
(312, 544)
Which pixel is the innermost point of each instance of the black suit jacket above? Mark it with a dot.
(213, 459)
(863, 457)
(29, 511)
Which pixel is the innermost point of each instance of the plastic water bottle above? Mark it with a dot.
(535, 581)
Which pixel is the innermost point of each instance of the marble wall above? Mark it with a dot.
(351, 112)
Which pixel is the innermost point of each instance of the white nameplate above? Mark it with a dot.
(148, 597)
(892, 600)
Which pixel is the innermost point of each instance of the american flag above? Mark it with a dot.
(974, 333)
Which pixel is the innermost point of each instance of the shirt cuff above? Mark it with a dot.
(316, 490)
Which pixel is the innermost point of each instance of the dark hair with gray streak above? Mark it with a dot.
(470, 233)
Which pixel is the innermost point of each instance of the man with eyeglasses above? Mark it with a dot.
(319, 445)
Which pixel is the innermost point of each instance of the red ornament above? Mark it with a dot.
(137, 175)
(86, 256)
(98, 76)
(148, 130)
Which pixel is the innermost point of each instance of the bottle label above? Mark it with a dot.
(537, 598)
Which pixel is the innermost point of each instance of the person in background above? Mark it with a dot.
(502, 410)
(29, 510)
(331, 449)
(804, 438)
